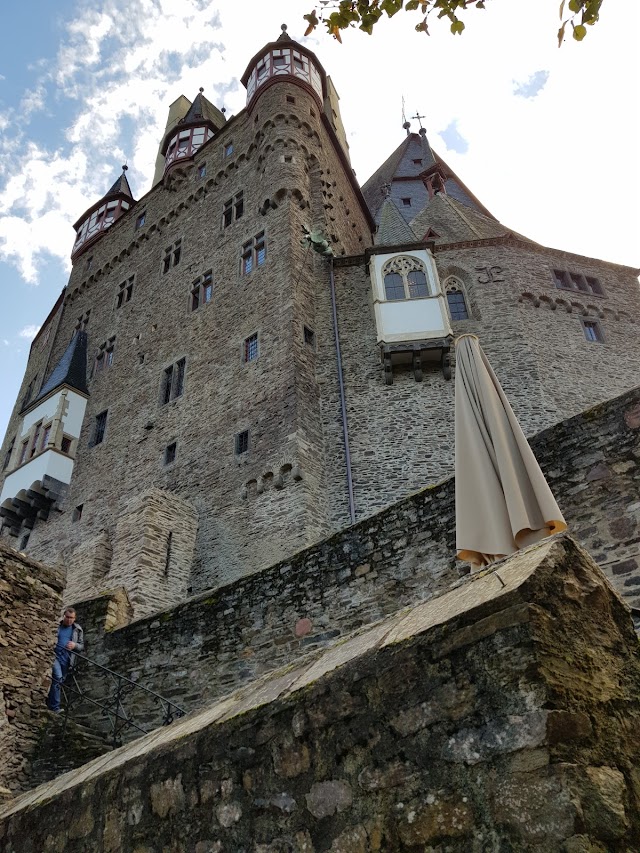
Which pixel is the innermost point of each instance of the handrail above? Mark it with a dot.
(112, 705)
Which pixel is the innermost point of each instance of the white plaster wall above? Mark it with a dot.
(45, 411)
(50, 462)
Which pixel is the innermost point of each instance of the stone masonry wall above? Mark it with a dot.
(30, 602)
(256, 507)
(401, 435)
(500, 717)
(403, 555)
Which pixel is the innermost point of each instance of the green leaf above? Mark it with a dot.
(412, 5)
(579, 32)
(575, 5)
(457, 27)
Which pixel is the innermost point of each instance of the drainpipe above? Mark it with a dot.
(343, 405)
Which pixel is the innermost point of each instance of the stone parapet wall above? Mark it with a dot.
(30, 602)
(396, 558)
(501, 716)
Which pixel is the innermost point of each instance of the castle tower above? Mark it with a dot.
(95, 221)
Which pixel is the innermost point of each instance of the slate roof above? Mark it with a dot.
(70, 370)
(373, 190)
(121, 187)
(201, 108)
(392, 228)
(455, 221)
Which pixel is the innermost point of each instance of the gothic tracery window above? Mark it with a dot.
(456, 300)
(405, 278)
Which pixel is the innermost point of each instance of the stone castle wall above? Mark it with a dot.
(401, 436)
(500, 717)
(391, 560)
(30, 602)
(253, 508)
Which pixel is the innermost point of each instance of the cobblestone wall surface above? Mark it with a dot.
(501, 716)
(393, 559)
(30, 603)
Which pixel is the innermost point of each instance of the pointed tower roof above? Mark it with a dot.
(118, 190)
(120, 187)
(201, 113)
(71, 370)
(406, 171)
(202, 108)
(392, 229)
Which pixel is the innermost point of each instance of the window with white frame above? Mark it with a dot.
(405, 278)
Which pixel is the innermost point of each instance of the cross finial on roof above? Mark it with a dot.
(125, 167)
(418, 117)
(283, 27)
(201, 89)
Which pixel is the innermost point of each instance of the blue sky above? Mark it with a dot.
(546, 138)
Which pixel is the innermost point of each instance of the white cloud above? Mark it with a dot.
(29, 332)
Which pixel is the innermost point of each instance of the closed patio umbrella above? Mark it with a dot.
(503, 501)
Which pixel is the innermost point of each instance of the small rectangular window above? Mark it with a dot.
(99, 429)
(250, 350)
(141, 219)
(228, 149)
(417, 162)
(298, 63)
(592, 331)
(172, 256)
(65, 446)
(288, 158)
(242, 442)
(104, 358)
(232, 209)
(8, 454)
(23, 452)
(406, 202)
(202, 290)
(202, 171)
(594, 285)
(36, 438)
(77, 513)
(170, 453)
(89, 262)
(291, 99)
(279, 61)
(173, 381)
(125, 292)
(309, 337)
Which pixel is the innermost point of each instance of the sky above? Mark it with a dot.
(546, 138)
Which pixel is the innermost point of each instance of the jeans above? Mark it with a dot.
(58, 675)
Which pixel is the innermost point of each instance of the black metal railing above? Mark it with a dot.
(112, 701)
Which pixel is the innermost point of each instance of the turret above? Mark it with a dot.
(100, 216)
(286, 59)
(188, 134)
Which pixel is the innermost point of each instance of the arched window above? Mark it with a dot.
(405, 278)
(456, 301)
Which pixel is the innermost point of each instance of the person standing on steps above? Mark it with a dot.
(70, 640)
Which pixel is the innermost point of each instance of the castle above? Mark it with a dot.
(258, 352)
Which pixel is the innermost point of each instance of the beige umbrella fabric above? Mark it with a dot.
(503, 501)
